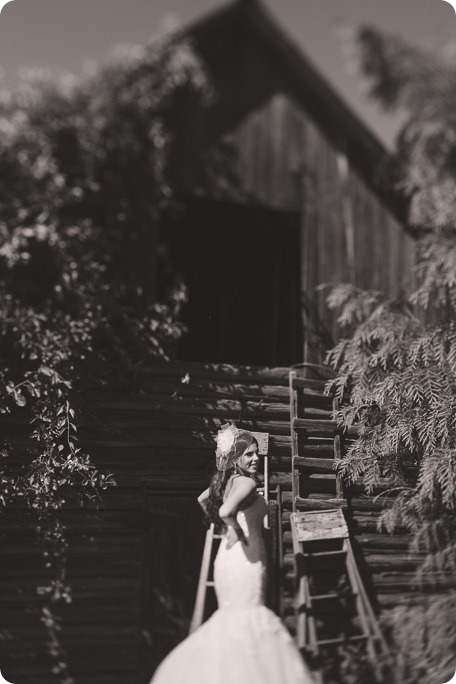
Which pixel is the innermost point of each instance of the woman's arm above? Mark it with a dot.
(241, 489)
(202, 499)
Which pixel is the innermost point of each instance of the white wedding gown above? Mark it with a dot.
(243, 642)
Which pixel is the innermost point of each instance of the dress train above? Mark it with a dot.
(243, 642)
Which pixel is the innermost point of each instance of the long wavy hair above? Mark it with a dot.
(217, 488)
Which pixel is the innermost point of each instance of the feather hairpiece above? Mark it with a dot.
(231, 444)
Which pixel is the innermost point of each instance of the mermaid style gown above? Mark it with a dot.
(243, 642)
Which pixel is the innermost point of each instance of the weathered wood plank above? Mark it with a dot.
(218, 372)
(189, 387)
(232, 409)
(316, 465)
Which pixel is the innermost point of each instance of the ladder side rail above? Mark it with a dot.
(263, 445)
(200, 601)
(378, 634)
(266, 478)
(367, 624)
(355, 583)
(306, 627)
(311, 626)
(274, 553)
(267, 518)
(338, 455)
(294, 438)
(280, 546)
(377, 646)
(301, 592)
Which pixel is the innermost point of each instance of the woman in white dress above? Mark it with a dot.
(243, 642)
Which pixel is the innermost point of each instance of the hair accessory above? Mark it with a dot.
(231, 444)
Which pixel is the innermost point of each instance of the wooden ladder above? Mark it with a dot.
(332, 607)
(206, 580)
(316, 446)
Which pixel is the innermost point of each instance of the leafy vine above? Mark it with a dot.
(83, 180)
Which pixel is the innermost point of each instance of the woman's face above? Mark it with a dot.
(248, 462)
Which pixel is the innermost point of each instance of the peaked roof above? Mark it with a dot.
(318, 98)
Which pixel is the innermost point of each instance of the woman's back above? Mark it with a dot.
(239, 571)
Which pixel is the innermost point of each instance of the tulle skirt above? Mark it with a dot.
(235, 646)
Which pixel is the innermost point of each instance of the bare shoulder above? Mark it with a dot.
(243, 483)
(240, 491)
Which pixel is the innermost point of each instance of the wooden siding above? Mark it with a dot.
(154, 430)
(276, 137)
(280, 158)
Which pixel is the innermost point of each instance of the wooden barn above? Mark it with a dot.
(281, 188)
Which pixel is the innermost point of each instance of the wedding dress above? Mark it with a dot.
(243, 642)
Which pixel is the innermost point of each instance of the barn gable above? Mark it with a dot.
(256, 67)
(277, 136)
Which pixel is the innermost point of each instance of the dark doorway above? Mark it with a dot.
(241, 266)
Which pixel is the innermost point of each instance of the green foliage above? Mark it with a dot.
(350, 664)
(399, 372)
(425, 636)
(422, 85)
(396, 369)
(400, 376)
(83, 179)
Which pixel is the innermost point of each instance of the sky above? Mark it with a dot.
(67, 35)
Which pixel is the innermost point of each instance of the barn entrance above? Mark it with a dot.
(241, 266)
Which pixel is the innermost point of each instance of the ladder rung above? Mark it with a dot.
(323, 597)
(304, 383)
(326, 597)
(325, 426)
(287, 497)
(312, 504)
(317, 450)
(308, 463)
(341, 640)
(311, 424)
(338, 552)
(210, 583)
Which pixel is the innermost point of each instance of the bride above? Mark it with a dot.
(243, 642)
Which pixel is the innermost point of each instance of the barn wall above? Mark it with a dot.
(265, 140)
(281, 159)
(154, 431)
